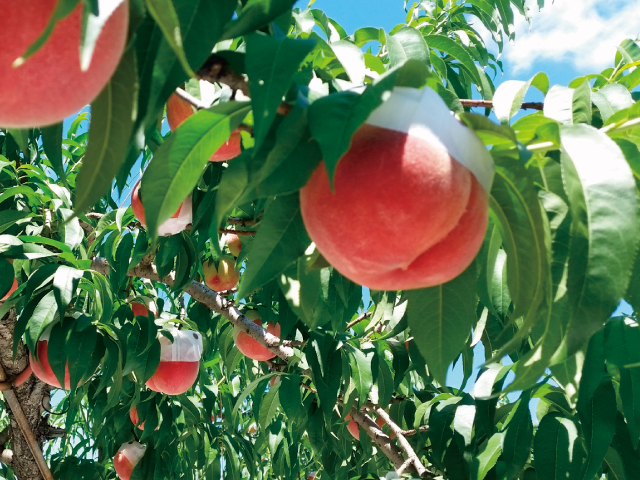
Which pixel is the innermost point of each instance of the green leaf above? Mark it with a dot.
(65, 284)
(112, 116)
(487, 456)
(43, 315)
(52, 144)
(518, 436)
(599, 427)
(326, 366)
(557, 453)
(280, 240)
(177, 165)
(558, 104)
(622, 349)
(581, 107)
(515, 209)
(602, 199)
(167, 19)
(351, 58)
(289, 395)
(407, 43)
(255, 14)
(509, 96)
(440, 319)
(361, 375)
(269, 406)
(271, 63)
(611, 99)
(10, 217)
(457, 51)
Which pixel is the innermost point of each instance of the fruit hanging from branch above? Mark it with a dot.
(233, 242)
(411, 166)
(142, 306)
(178, 110)
(128, 456)
(249, 346)
(178, 221)
(51, 84)
(179, 362)
(223, 276)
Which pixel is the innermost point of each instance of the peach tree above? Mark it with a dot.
(387, 323)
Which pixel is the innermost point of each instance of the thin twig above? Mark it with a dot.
(243, 222)
(186, 96)
(489, 104)
(362, 317)
(404, 444)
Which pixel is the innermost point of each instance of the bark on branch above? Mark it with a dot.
(201, 293)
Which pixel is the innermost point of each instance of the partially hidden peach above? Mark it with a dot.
(142, 306)
(222, 277)
(178, 221)
(14, 287)
(128, 456)
(51, 85)
(233, 242)
(353, 427)
(43, 369)
(381, 423)
(133, 415)
(249, 346)
(412, 167)
(178, 110)
(179, 362)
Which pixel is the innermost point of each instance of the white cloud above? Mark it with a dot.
(584, 33)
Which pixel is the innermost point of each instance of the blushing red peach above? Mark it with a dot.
(249, 346)
(178, 221)
(411, 166)
(128, 456)
(51, 85)
(233, 242)
(222, 277)
(44, 371)
(142, 306)
(178, 110)
(381, 423)
(353, 427)
(133, 415)
(179, 362)
(14, 287)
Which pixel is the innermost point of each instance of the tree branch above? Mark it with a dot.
(240, 233)
(362, 317)
(213, 301)
(404, 444)
(489, 104)
(216, 70)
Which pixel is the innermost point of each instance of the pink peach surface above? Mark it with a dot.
(404, 214)
(50, 84)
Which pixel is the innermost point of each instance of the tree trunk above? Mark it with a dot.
(30, 395)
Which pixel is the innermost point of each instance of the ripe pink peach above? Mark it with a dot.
(223, 277)
(179, 362)
(50, 85)
(178, 110)
(411, 168)
(178, 221)
(249, 346)
(133, 415)
(128, 456)
(233, 242)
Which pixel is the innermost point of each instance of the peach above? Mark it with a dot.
(249, 346)
(13, 288)
(178, 110)
(179, 362)
(274, 380)
(51, 85)
(133, 415)
(222, 277)
(178, 221)
(42, 369)
(353, 427)
(311, 475)
(381, 423)
(412, 167)
(233, 242)
(128, 456)
(142, 306)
